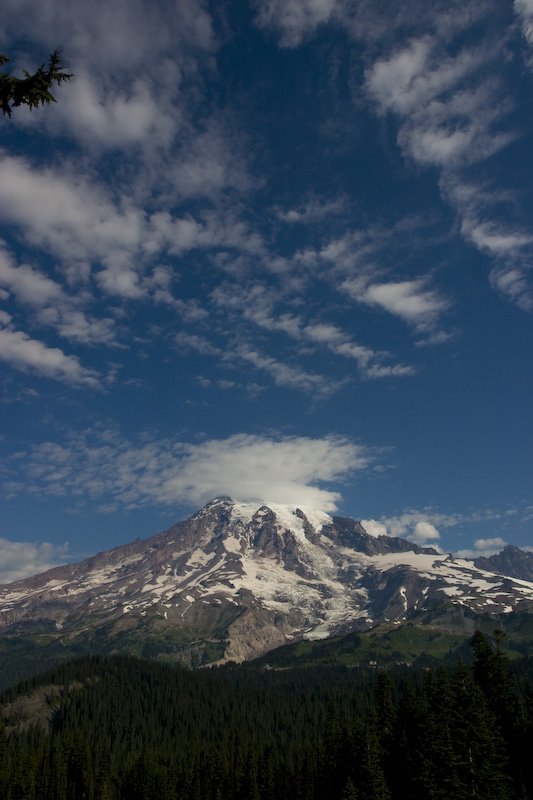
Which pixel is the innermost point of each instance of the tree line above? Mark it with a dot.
(128, 729)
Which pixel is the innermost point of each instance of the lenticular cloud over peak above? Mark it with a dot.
(258, 468)
(118, 473)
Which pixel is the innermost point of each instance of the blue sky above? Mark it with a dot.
(277, 249)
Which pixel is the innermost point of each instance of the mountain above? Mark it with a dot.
(236, 580)
(511, 561)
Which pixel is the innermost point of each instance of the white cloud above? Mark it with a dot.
(88, 228)
(29, 285)
(125, 34)
(211, 161)
(79, 327)
(424, 532)
(452, 112)
(21, 559)
(187, 342)
(412, 525)
(358, 264)
(100, 464)
(412, 301)
(508, 244)
(424, 527)
(483, 548)
(437, 337)
(103, 117)
(24, 353)
(312, 211)
(254, 467)
(484, 544)
(286, 375)
(72, 219)
(409, 79)
(369, 22)
(447, 113)
(256, 304)
(387, 371)
(524, 9)
(374, 528)
(294, 19)
(52, 306)
(211, 230)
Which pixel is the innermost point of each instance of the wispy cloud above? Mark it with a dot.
(76, 221)
(312, 211)
(453, 113)
(256, 304)
(524, 10)
(295, 20)
(24, 353)
(51, 306)
(287, 375)
(20, 559)
(411, 301)
(358, 264)
(447, 112)
(191, 342)
(508, 244)
(99, 464)
(444, 86)
(79, 222)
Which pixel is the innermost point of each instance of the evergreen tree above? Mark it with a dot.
(350, 792)
(439, 777)
(386, 716)
(405, 767)
(333, 766)
(479, 748)
(32, 90)
(492, 674)
(370, 782)
(3, 760)
(78, 769)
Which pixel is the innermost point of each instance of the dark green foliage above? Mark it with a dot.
(32, 90)
(127, 729)
(350, 792)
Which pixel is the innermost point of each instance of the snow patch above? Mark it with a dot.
(200, 558)
(232, 545)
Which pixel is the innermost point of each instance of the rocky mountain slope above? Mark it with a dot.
(236, 580)
(511, 561)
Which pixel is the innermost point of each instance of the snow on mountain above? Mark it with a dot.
(253, 577)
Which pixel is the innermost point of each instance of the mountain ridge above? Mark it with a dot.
(236, 580)
(510, 561)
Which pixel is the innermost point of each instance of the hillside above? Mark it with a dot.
(126, 729)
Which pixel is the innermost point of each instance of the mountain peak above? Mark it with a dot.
(289, 515)
(243, 577)
(510, 561)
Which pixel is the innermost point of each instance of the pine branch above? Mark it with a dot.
(32, 90)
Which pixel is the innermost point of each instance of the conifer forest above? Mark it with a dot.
(120, 728)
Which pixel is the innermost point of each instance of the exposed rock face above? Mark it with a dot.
(243, 578)
(511, 561)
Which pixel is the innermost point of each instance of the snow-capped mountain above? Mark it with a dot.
(242, 578)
